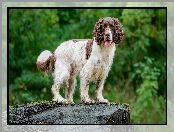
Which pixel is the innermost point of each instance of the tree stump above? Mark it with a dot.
(56, 113)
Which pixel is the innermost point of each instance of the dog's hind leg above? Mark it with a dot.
(70, 87)
(55, 90)
(61, 75)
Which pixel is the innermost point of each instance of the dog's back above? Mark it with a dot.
(72, 53)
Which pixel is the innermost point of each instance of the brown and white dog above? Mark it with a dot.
(89, 58)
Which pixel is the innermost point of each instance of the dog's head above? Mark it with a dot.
(108, 30)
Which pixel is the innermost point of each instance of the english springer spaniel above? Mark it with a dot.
(89, 58)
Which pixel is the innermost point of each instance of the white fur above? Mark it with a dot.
(71, 60)
(44, 56)
(75, 57)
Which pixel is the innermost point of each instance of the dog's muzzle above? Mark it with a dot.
(107, 38)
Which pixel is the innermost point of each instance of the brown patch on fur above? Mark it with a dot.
(75, 40)
(97, 84)
(52, 62)
(119, 33)
(78, 40)
(49, 64)
(70, 81)
(99, 29)
(88, 48)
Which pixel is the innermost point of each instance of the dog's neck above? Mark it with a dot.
(103, 52)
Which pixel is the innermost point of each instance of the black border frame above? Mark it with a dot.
(8, 8)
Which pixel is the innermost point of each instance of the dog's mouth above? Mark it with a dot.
(108, 43)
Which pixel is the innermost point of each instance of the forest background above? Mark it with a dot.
(138, 74)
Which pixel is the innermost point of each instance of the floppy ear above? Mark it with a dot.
(118, 33)
(98, 31)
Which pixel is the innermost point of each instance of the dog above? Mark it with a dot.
(91, 59)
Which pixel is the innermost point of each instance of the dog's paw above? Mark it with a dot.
(102, 101)
(88, 101)
(70, 101)
(62, 101)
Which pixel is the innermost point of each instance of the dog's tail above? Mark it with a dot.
(46, 61)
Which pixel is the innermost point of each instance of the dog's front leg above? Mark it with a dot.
(99, 89)
(84, 88)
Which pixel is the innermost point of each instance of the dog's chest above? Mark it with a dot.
(101, 66)
(102, 61)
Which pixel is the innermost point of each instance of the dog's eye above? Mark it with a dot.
(105, 25)
(112, 28)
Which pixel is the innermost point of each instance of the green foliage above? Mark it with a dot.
(146, 77)
(138, 74)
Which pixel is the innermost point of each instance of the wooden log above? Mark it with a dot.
(55, 113)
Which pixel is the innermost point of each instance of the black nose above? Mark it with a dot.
(107, 35)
